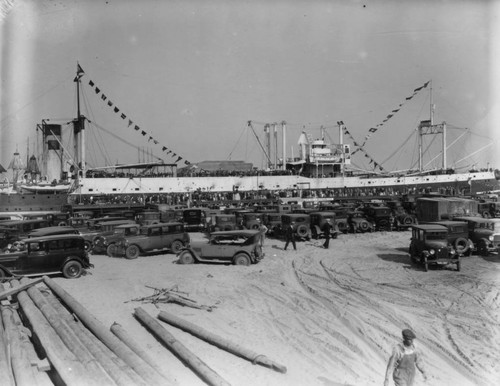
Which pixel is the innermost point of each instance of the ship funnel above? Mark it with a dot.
(52, 152)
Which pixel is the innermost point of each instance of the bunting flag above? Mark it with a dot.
(361, 149)
(393, 112)
(79, 73)
(123, 116)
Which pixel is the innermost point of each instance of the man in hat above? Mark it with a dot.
(290, 236)
(327, 230)
(404, 359)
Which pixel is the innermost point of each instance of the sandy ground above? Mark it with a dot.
(330, 316)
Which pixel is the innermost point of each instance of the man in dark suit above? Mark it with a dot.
(290, 236)
(327, 230)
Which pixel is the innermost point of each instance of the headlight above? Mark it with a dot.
(452, 252)
(432, 251)
(491, 238)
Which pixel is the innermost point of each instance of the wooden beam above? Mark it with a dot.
(6, 293)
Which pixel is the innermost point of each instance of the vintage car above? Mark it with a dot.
(194, 219)
(301, 224)
(482, 234)
(105, 243)
(318, 221)
(430, 246)
(380, 216)
(52, 231)
(47, 255)
(148, 217)
(103, 228)
(458, 236)
(273, 223)
(153, 238)
(13, 230)
(239, 247)
(357, 222)
(223, 222)
(251, 220)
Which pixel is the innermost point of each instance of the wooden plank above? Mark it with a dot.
(6, 293)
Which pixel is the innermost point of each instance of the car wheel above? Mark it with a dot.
(342, 225)
(111, 250)
(176, 246)
(461, 245)
(241, 259)
(72, 269)
(132, 252)
(88, 246)
(364, 226)
(302, 231)
(62, 224)
(186, 258)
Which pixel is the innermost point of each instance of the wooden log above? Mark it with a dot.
(122, 334)
(6, 374)
(196, 364)
(121, 373)
(12, 291)
(68, 367)
(70, 339)
(149, 374)
(220, 342)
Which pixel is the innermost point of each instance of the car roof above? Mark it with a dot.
(15, 222)
(52, 229)
(161, 224)
(473, 218)
(449, 222)
(52, 237)
(244, 232)
(114, 222)
(430, 227)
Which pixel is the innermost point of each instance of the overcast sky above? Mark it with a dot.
(191, 74)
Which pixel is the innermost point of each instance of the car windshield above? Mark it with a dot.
(436, 236)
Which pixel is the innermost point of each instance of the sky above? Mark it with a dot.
(192, 74)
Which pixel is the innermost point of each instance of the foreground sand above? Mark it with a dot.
(330, 316)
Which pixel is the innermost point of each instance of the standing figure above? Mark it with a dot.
(327, 230)
(263, 230)
(404, 359)
(290, 236)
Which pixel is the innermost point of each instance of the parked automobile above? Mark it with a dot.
(13, 230)
(482, 234)
(103, 228)
(301, 224)
(47, 255)
(239, 247)
(380, 216)
(458, 236)
(430, 246)
(148, 217)
(105, 243)
(194, 219)
(60, 219)
(357, 222)
(273, 223)
(223, 222)
(251, 220)
(52, 231)
(153, 238)
(318, 221)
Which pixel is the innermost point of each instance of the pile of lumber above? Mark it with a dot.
(47, 338)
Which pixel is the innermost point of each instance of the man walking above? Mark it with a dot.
(263, 230)
(327, 230)
(290, 236)
(404, 359)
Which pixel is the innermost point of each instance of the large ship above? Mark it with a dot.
(321, 167)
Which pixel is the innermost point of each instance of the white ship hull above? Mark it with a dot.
(162, 185)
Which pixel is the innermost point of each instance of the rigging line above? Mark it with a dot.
(258, 140)
(398, 149)
(424, 152)
(238, 140)
(447, 147)
(120, 138)
(477, 151)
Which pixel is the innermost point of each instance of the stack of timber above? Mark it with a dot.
(48, 338)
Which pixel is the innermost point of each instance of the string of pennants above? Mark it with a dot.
(360, 148)
(390, 115)
(130, 122)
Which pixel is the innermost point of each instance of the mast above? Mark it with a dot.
(283, 125)
(79, 129)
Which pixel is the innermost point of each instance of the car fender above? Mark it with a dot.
(190, 250)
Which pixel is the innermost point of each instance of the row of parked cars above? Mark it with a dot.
(447, 241)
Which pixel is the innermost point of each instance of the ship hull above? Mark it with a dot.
(23, 202)
(474, 182)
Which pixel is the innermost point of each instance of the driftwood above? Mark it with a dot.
(220, 342)
(196, 364)
(172, 295)
(149, 374)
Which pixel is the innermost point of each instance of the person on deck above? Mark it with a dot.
(404, 360)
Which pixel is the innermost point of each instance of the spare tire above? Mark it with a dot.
(302, 230)
(363, 225)
(342, 225)
(408, 220)
(461, 245)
